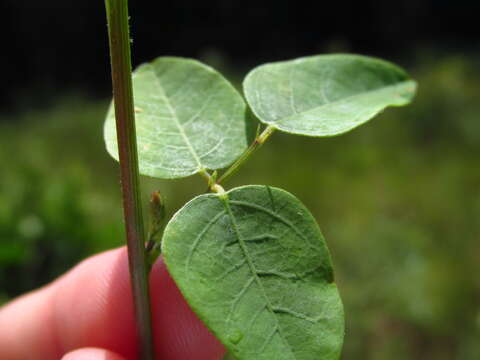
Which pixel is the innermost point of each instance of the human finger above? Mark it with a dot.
(91, 306)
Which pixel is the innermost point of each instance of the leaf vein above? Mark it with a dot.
(177, 123)
(342, 100)
(255, 276)
(199, 238)
(281, 310)
(277, 216)
(238, 297)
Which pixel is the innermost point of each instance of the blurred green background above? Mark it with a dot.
(398, 201)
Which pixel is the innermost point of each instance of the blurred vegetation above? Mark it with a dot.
(397, 199)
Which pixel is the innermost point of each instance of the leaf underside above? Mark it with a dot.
(325, 95)
(254, 266)
(188, 118)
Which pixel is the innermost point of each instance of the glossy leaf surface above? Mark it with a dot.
(325, 95)
(188, 118)
(254, 266)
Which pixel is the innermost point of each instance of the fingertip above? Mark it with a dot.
(92, 354)
(94, 307)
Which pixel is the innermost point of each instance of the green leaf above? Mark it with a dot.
(228, 356)
(325, 95)
(188, 118)
(254, 266)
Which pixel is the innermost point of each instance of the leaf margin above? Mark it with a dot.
(109, 130)
(201, 316)
(410, 85)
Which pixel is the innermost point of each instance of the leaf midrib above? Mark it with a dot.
(254, 272)
(181, 130)
(286, 118)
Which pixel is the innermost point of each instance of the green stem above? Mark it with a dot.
(257, 143)
(206, 175)
(118, 30)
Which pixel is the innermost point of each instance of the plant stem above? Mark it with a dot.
(206, 175)
(257, 143)
(117, 16)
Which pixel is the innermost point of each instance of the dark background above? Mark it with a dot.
(397, 199)
(56, 45)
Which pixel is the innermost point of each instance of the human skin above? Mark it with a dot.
(87, 314)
